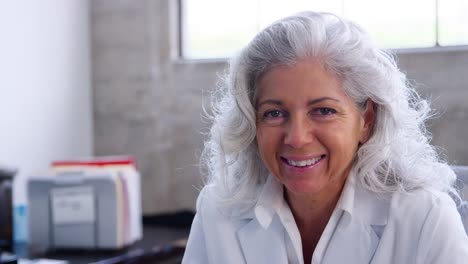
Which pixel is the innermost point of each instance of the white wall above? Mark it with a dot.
(45, 96)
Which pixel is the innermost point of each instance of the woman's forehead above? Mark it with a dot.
(303, 76)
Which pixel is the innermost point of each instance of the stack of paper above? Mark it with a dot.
(92, 203)
(127, 178)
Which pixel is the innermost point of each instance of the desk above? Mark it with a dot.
(152, 236)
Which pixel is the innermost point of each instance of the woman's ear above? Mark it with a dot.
(369, 119)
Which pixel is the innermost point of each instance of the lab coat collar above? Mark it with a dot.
(356, 236)
(358, 233)
(355, 201)
(359, 203)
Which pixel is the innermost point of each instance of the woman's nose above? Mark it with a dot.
(298, 133)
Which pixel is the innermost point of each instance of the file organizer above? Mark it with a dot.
(84, 210)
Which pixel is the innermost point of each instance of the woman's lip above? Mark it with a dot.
(301, 169)
(301, 158)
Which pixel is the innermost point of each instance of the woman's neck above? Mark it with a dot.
(309, 209)
(312, 214)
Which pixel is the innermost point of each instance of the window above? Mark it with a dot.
(218, 28)
(452, 22)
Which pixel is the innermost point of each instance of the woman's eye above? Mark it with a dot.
(325, 111)
(273, 114)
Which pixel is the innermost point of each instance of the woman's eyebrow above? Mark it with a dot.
(321, 99)
(311, 102)
(270, 101)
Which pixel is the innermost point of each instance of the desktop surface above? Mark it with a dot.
(153, 236)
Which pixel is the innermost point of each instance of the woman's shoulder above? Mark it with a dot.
(422, 198)
(420, 203)
(211, 204)
(207, 199)
(428, 219)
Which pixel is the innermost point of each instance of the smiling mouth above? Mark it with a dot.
(303, 163)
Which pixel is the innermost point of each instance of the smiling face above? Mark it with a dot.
(308, 129)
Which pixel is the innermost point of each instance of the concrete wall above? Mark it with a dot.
(45, 83)
(148, 103)
(442, 76)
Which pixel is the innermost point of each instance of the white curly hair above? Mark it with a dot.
(398, 156)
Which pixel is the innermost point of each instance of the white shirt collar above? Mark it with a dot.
(347, 198)
(271, 199)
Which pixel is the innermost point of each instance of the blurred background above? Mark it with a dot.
(90, 78)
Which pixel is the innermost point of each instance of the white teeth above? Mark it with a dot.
(303, 163)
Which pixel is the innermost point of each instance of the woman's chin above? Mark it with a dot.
(302, 187)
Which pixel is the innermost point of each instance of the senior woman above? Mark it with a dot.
(318, 153)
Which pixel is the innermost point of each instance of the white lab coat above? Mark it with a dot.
(423, 227)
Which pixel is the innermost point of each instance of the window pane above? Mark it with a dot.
(453, 22)
(271, 10)
(396, 23)
(217, 28)
(219, 34)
